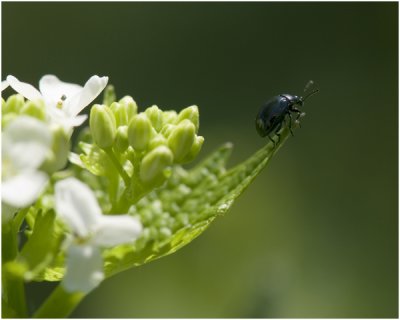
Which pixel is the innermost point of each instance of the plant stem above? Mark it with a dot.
(121, 171)
(13, 287)
(60, 304)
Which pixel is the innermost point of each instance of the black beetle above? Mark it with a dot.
(273, 113)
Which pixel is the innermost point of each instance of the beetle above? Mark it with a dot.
(273, 113)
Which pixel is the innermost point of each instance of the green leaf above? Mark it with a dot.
(200, 195)
(184, 207)
(95, 160)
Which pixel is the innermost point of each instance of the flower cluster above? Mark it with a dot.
(37, 126)
(37, 131)
(151, 140)
(112, 195)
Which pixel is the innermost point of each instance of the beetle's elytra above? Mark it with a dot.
(273, 113)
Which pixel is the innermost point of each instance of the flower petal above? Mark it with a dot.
(84, 269)
(76, 204)
(60, 117)
(75, 121)
(26, 142)
(4, 85)
(27, 90)
(53, 89)
(93, 87)
(23, 189)
(114, 230)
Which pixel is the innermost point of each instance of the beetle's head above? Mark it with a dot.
(297, 101)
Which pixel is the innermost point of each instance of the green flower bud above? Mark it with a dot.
(170, 116)
(167, 130)
(194, 150)
(36, 109)
(130, 154)
(124, 112)
(60, 150)
(3, 103)
(158, 140)
(130, 104)
(165, 233)
(13, 104)
(102, 125)
(139, 132)
(191, 113)
(181, 139)
(155, 115)
(121, 117)
(153, 166)
(109, 95)
(121, 140)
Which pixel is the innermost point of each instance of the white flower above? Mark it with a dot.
(26, 142)
(77, 206)
(64, 101)
(4, 85)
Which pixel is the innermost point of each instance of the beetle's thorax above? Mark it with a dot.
(294, 101)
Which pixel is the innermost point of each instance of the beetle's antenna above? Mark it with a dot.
(311, 94)
(309, 85)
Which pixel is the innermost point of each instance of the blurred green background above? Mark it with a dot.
(316, 235)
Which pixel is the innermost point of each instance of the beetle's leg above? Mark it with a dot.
(290, 123)
(294, 109)
(279, 137)
(273, 141)
(277, 131)
(299, 113)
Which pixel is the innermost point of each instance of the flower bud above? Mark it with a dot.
(130, 104)
(181, 139)
(13, 104)
(120, 114)
(60, 150)
(102, 125)
(191, 113)
(124, 111)
(158, 140)
(121, 140)
(109, 95)
(155, 116)
(35, 109)
(170, 116)
(167, 130)
(139, 132)
(153, 165)
(130, 154)
(194, 150)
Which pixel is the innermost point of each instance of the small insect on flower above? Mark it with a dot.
(273, 113)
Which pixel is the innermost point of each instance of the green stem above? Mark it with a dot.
(135, 190)
(13, 287)
(60, 304)
(121, 205)
(121, 171)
